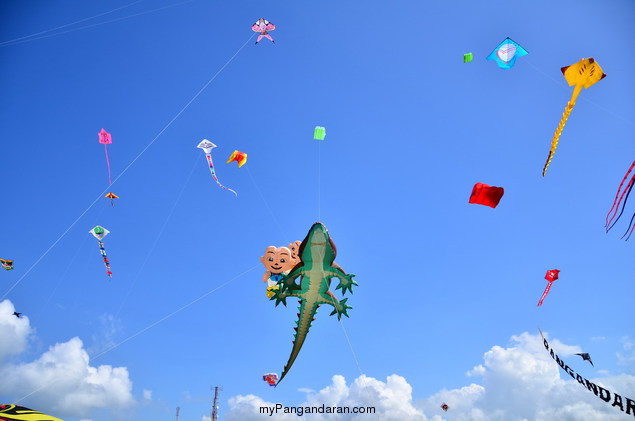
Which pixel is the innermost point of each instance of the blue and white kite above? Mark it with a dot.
(506, 52)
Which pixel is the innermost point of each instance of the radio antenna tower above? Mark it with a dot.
(178, 409)
(215, 404)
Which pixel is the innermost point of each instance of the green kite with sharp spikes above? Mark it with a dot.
(317, 267)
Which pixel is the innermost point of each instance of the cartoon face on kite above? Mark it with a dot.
(277, 259)
(506, 53)
(583, 74)
(239, 157)
(295, 252)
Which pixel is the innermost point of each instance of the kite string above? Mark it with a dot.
(319, 177)
(150, 326)
(126, 168)
(262, 196)
(350, 346)
(156, 240)
(69, 24)
(14, 42)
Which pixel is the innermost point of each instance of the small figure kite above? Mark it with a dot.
(7, 264)
(586, 357)
(99, 233)
(551, 276)
(16, 314)
(467, 58)
(445, 407)
(621, 197)
(112, 198)
(207, 147)
(20, 413)
(263, 26)
(319, 133)
(271, 378)
(482, 194)
(239, 157)
(506, 52)
(582, 74)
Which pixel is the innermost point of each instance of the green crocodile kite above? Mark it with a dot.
(317, 253)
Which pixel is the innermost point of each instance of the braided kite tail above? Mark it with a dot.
(556, 135)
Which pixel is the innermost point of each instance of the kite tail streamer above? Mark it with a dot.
(625, 194)
(544, 294)
(616, 202)
(563, 121)
(629, 227)
(211, 169)
(106, 261)
(107, 163)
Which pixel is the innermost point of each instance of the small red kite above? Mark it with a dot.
(482, 194)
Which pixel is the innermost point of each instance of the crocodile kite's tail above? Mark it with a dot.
(305, 318)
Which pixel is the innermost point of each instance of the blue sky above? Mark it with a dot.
(444, 286)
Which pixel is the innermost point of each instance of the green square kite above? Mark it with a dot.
(467, 58)
(319, 133)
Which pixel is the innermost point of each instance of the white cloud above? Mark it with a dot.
(392, 400)
(520, 382)
(628, 357)
(13, 331)
(63, 381)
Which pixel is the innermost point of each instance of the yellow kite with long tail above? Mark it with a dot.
(582, 74)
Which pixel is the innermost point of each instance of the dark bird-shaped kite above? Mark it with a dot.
(16, 314)
(586, 357)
